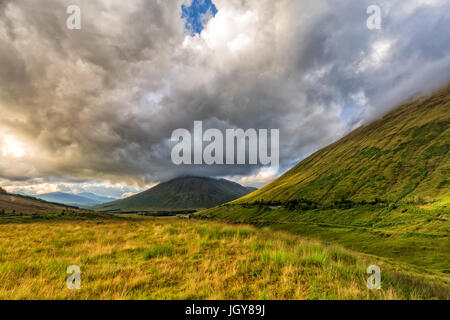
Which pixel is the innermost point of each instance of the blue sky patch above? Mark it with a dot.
(351, 114)
(198, 14)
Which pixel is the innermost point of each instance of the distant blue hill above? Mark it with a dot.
(85, 199)
(95, 197)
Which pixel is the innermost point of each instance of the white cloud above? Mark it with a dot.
(379, 54)
(11, 147)
(100, 104)
(261, 178)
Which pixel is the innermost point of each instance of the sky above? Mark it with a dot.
(197, 14)
(94, 109)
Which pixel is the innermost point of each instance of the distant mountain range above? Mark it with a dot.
(180, 194)
(82, 200)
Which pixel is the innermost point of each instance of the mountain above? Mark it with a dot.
(16, 208)
(67, 198)
(96, 198)
(384, 189)
(403, 156)
(79, 200)
(180, 194)
(26, 204)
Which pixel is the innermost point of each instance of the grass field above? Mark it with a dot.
(191, 259)
(414, 235)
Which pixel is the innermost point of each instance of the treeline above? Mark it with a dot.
(307, 204)
(163, 213)
(45, 215)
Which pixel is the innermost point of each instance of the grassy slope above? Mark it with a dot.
(179, 194)
(21, 209)
(402, 157)
(174, 259)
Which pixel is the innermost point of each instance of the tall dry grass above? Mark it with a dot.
(174, 259)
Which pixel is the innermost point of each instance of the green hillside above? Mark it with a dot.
(383, 189)
(180, 194)
(22, 209)
(402, 157)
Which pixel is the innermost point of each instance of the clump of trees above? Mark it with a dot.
(303, 204)
(294, 204)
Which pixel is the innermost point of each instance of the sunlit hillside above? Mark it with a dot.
(402, 157)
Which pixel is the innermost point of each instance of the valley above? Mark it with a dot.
(379, 196)
(180, 259)
(383, 189)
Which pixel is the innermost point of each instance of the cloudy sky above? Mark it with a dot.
(94, 109)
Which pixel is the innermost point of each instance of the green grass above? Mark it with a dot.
(159, 251)
(181, 259)
(315, 256)
(408, 233)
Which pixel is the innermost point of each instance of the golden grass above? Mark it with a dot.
(177, 259)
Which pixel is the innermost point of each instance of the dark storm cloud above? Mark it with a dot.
(101, 103)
